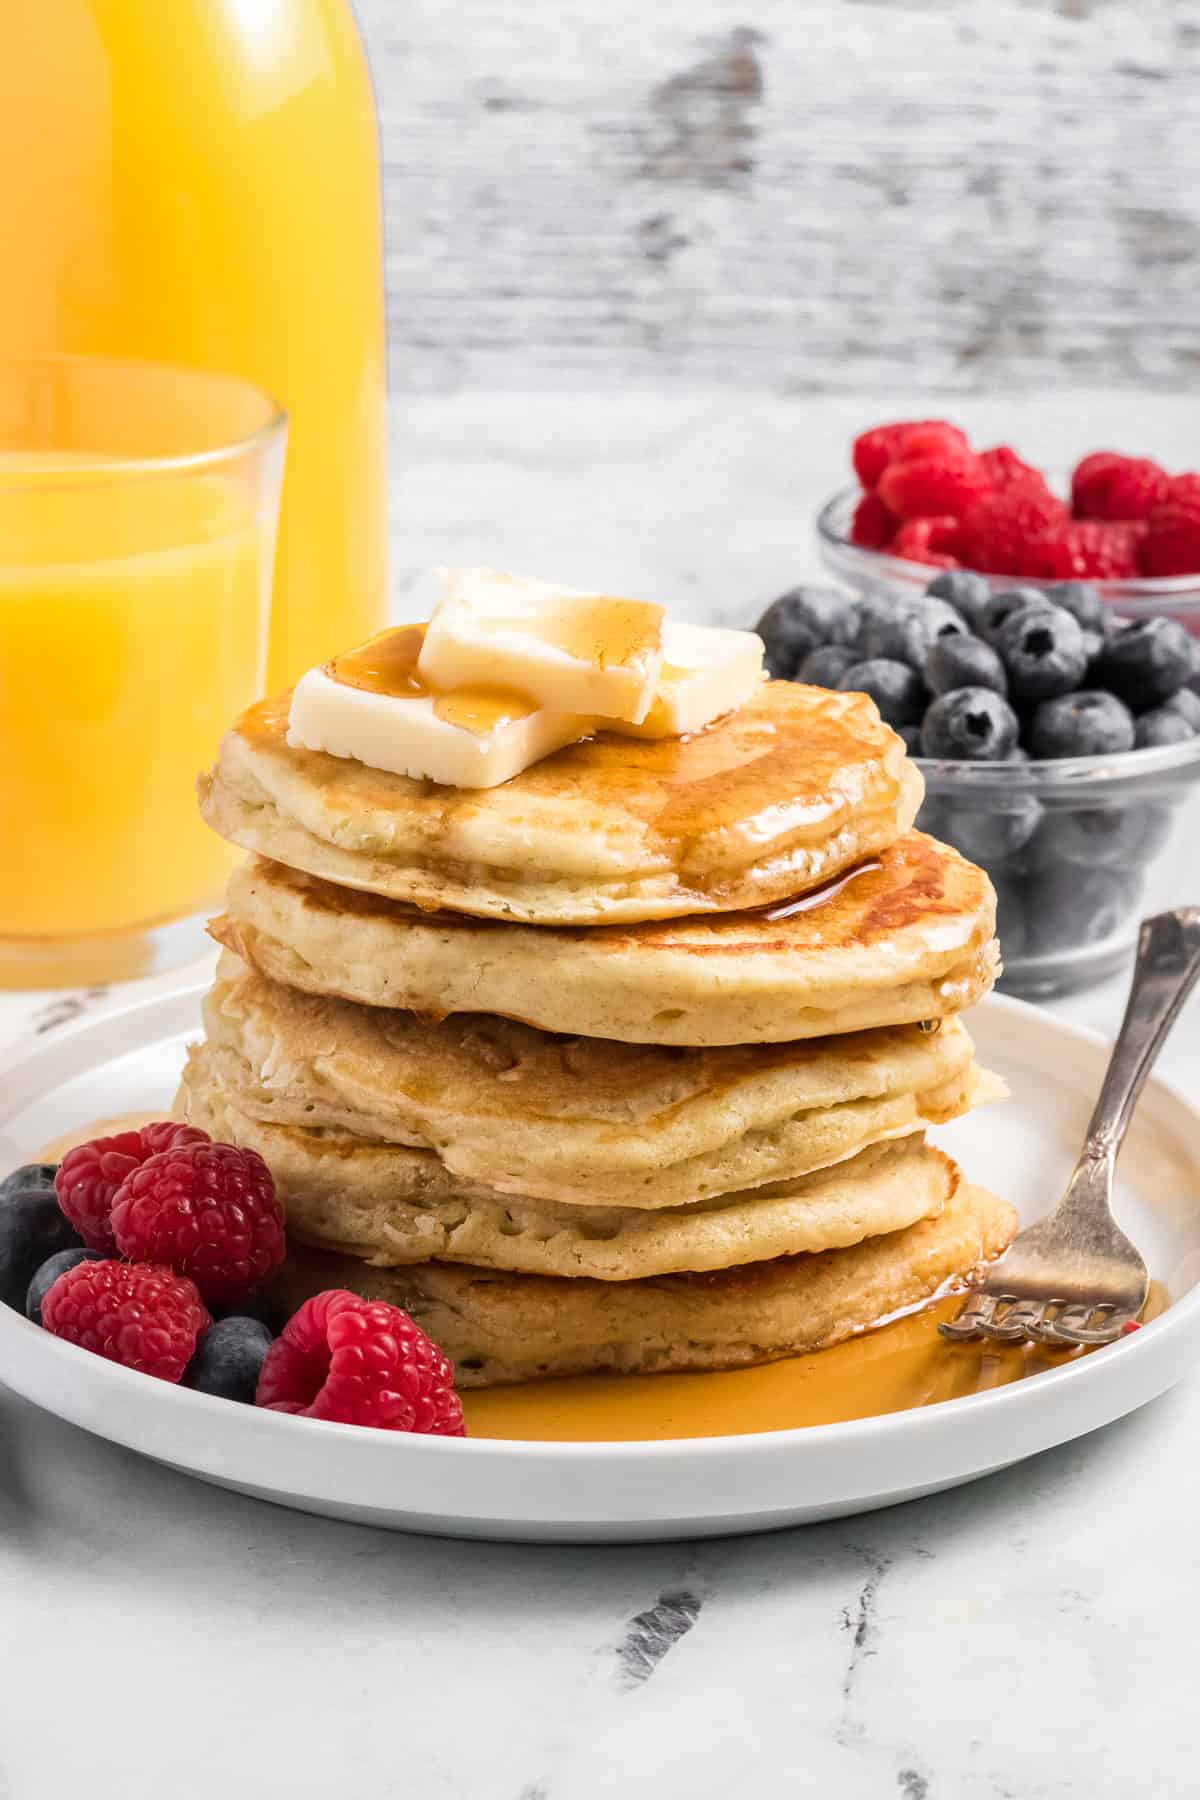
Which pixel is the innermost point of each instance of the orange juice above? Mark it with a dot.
(197, 181)
(130, 633)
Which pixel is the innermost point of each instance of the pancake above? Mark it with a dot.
(510, 1328)
(789, 790)
(585, 1121)
(909, 940)
(390, 1205)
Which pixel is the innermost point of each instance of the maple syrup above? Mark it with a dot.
(388, 665)
(894, 1368)
(598, 628)
(749, 804)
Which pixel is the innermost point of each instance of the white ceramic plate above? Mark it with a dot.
(127, 1060)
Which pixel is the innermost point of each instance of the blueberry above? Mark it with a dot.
(1084, 724)
(29, 1175)
(1146, 662)
(897, 690)
(229, 1358)
(972, 724)
(1068, 909)
(912, 740)
(1093, 644)
(909, 631)
(957, 662)
(801, 620)
(258, 1306)
(1043, 651)
(1012, 920)
(826, 666)
(933, 815)
(32, 1227)
(1161, 725)
(48, 1274)
(1187, 704)
(1001, 606)
(1081, 600)
(1105, 837)
(1193, 681)
(967, 593)
(995, 830)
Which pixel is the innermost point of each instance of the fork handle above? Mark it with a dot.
(1166, 971)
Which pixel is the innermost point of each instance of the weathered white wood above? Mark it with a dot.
(798, 194)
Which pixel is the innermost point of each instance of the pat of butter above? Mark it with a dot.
(465, 739)
(707, 671)
(579, 653)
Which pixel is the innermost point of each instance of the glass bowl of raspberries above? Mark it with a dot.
(925, 499)
(1059, 739)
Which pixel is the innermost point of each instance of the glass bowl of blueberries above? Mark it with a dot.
(1059, 741)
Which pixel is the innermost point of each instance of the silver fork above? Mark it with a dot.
(1074, 1277)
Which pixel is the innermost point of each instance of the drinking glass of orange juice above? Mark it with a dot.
(138, 504)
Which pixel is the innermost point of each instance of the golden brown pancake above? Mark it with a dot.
(912, 939)
(585, 1121)
(392, 1205)
(782, 794)
(501, 1328)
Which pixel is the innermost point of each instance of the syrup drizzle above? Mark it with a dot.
(829, 891)
(388, 665)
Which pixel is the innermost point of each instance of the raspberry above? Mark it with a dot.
(210, 1211)
(1171, 545)
(90, 1175)
(998, 529)
(1185, 488)
(932, 437)
(872, 526)
(143, 1316)
(1090, 481)
(1087, 549)
(873, 450)
(363, 1362)
(1118, 487)
(920, 486)
(934, 541)
(1007, 469)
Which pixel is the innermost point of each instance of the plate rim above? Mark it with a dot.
(1152, 1343)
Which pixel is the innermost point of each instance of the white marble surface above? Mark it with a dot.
(1025, 1638)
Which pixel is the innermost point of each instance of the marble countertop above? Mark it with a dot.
(1023, 1638)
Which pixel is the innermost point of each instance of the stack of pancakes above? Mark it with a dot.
(624, 1065)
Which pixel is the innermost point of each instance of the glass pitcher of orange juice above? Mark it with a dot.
(197, 181)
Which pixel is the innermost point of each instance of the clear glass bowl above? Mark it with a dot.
(1079, 851)
(873, 571)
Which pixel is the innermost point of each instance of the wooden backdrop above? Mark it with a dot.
(793, 195)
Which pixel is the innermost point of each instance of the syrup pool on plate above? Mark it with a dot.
(894, 1368)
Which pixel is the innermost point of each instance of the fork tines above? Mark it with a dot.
(1007, 1319)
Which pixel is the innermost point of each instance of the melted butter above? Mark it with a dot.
(594, 628)
(388, 665)
(892, 1369)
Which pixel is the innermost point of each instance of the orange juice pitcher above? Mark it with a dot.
(197, 182)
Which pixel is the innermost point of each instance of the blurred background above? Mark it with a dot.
(649, 265)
